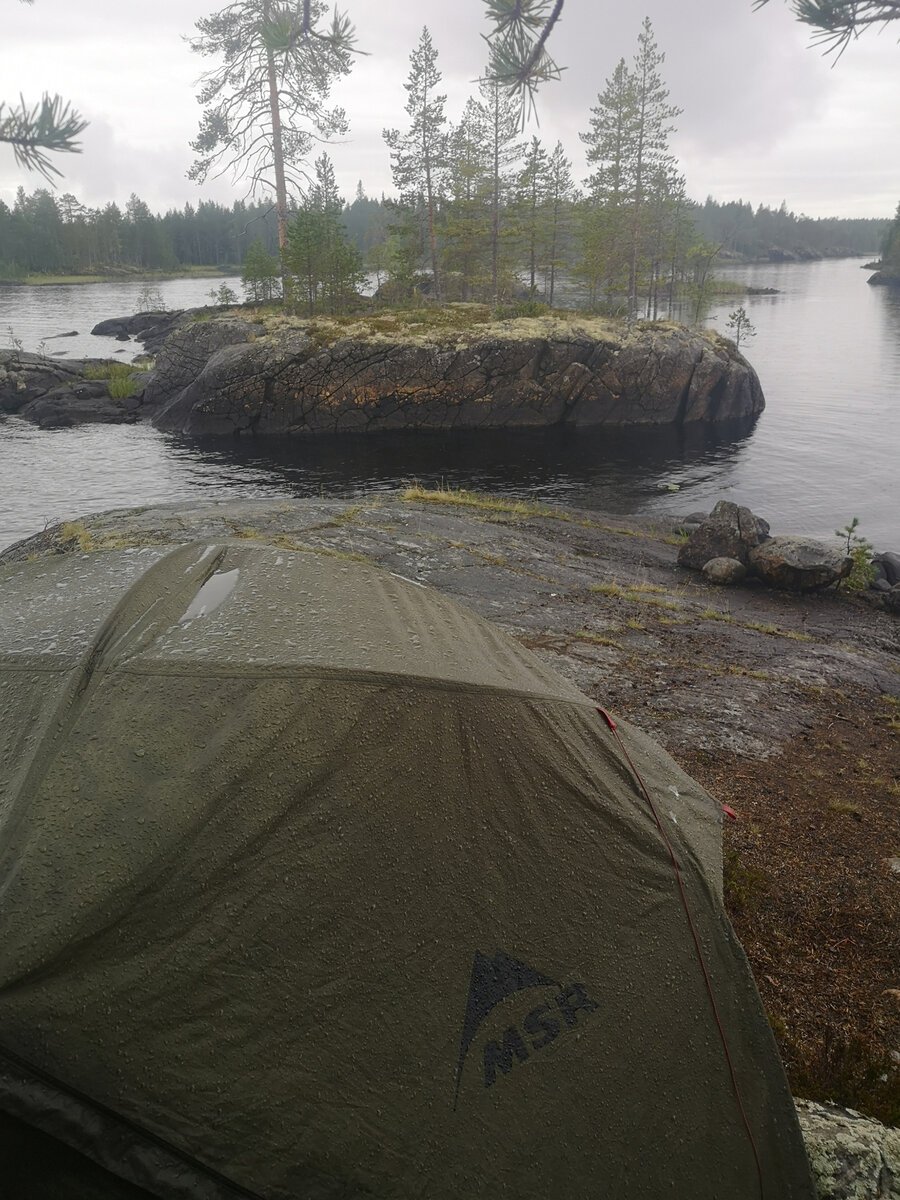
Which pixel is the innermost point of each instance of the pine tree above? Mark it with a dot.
(50, 127)
(500, 114)
(419, 156)
(628, 141)
(837, 21)
(558, 200)
(265, 103)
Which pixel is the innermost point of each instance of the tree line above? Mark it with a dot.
(480, 213)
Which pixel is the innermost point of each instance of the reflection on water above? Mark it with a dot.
(603, 469)
(825, 450)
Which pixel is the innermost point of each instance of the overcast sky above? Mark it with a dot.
(765, 117)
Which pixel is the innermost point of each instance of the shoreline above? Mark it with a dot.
(123, 277)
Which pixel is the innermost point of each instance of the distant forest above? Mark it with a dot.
(56, 235)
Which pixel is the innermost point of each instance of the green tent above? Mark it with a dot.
(316, 885)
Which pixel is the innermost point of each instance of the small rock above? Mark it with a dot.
(728, 532)
(724, 571)
(799, 564)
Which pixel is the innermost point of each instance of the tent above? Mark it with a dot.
(314, 884)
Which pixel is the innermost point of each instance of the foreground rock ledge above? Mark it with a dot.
(231, 376)
(554, 578)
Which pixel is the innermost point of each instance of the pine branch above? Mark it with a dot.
(836, 22)
(51, 126)
(518, 55)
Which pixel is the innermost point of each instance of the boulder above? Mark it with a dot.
(87, 402)
(724, 571)
(24, 377)
(851, 1156)
(887, 568)
(799, 564)
(149, 328)
(892, 599)
(730, 531)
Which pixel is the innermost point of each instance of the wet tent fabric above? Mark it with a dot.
(325, 887)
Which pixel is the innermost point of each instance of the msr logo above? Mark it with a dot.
(493, 980)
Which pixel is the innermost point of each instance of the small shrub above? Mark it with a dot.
(224, 295)
(744, 886)
(150, 299)
(739, 323)
(860, 551)
(520, 308)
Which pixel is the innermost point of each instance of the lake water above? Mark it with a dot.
(827, 448)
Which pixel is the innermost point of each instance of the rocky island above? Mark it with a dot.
(457, 367)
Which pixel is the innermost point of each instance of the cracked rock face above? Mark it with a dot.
(25, 377)
(187, 350)
(224, 377)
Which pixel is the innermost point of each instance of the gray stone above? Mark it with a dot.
(887, 567)
(892, 599)
(799, 564)
(729, 531)
(724, 571)
(24, 377)
(851, 1156)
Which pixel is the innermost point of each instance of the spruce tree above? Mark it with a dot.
(652, 159)
(558, 200)
(261, 275)
(467, 217)
(419, 156)
(628, 143)
(532, 194)
(324, 268)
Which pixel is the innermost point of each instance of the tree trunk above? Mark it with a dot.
(495, 201)
(277, 159)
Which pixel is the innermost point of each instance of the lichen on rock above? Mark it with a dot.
(233, 377)
(851, 1156)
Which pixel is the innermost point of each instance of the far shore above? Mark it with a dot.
(122, 277)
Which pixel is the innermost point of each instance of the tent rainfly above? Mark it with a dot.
(316, 885)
